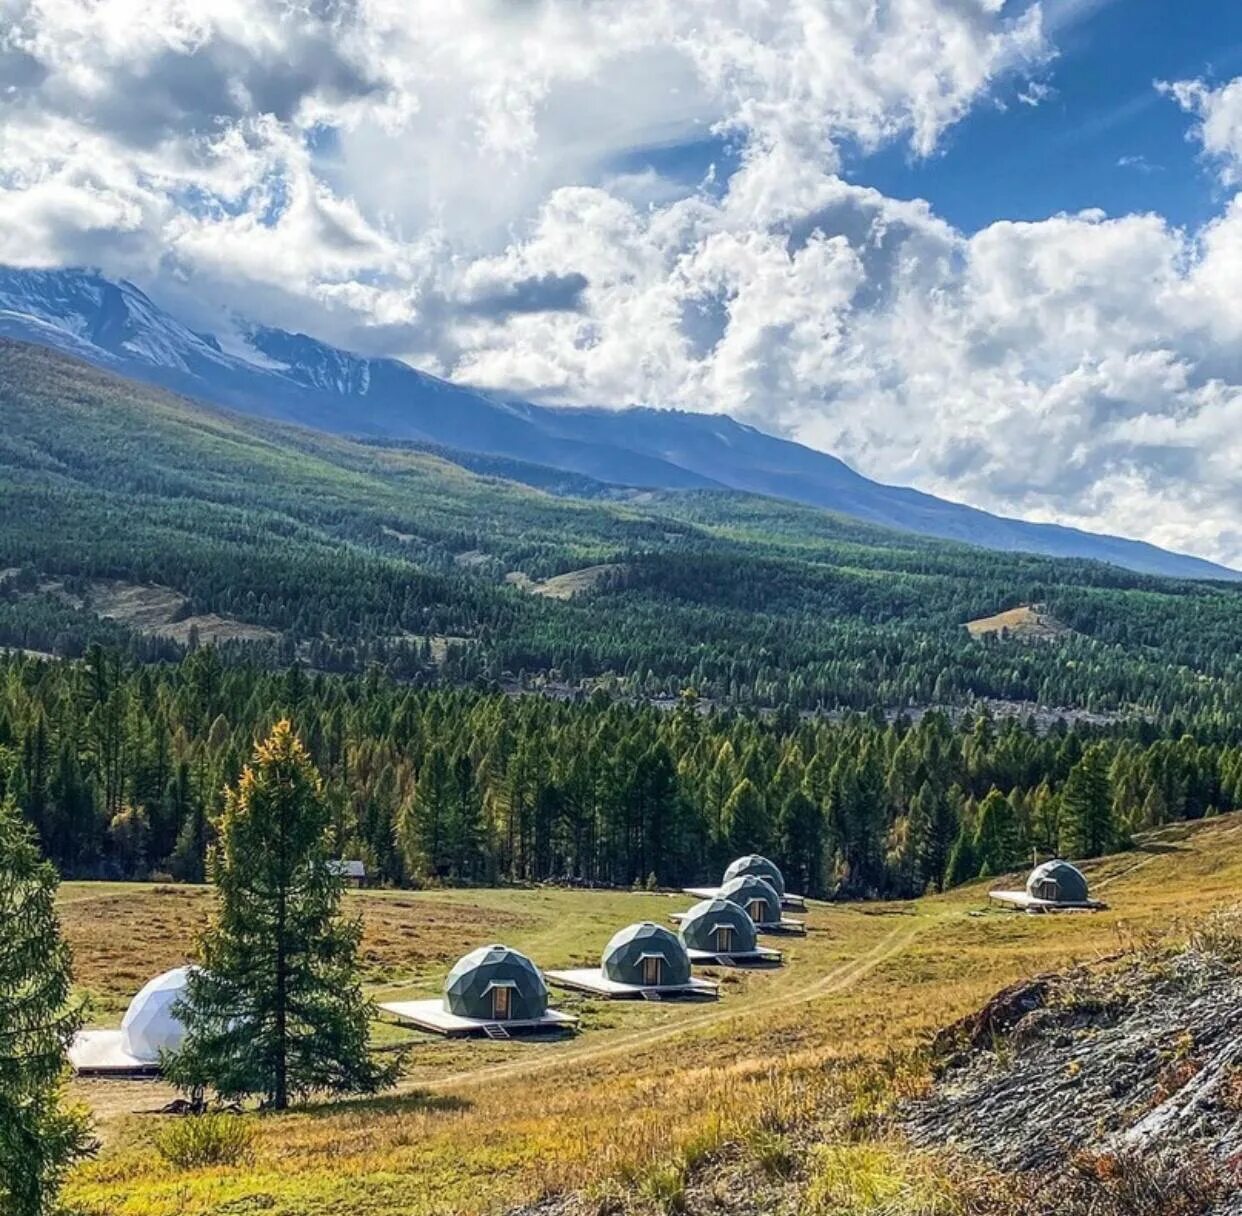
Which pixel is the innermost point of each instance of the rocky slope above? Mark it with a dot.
(1132, 1071)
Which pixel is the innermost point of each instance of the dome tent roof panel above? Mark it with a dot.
(699, 926)
(473, 978)
(759, 866)
(754, 894)
(624, 956)
(150, 1027)
(1057, 881)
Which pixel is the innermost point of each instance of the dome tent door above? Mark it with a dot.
(1048, 889)
(502, 1002)
(653, 970)
(724, 938)
(757, 910)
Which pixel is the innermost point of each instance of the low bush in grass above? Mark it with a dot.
(206, 1140)
(877, 1180)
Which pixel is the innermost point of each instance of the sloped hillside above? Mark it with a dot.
(1029, 622)
(344, 554)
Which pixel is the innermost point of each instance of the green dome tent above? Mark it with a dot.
(494, 983)
(761, 867)
(1058, 882)
(757, 896)
(718, 926)
(647, 955)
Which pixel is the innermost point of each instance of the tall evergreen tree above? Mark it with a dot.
(424, 826)
(746, 819)
(997, 843)
(1087, 806)
(800, 841)
(276, 1008)
(934, 827)
(39, 1135)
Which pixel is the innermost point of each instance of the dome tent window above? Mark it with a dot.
(501, 1004)
(642, 960)
(720, 931)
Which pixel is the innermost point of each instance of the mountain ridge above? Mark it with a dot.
(295, 377)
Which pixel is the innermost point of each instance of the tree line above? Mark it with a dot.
(121, 768)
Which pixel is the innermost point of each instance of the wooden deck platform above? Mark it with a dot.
(431, 1015)
(790, 902)
(737, 958)
(98, 1053)
(1030, 903)
(594, 981)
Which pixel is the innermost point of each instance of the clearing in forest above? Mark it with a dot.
(565, 586)
(482, 1126)
(158, 612)
(1029, 622)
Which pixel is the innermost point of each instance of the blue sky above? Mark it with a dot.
(513, 195)
(1103, 137)
(1101, 134)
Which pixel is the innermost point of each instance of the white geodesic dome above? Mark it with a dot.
(149, 1027)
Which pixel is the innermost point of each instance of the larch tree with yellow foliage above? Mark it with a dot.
(276, 1008)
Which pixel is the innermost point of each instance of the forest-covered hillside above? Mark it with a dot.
(390, 601)
(345, 554)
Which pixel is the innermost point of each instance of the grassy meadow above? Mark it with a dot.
(646, 1090)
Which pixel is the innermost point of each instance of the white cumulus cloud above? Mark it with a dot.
(642, 202)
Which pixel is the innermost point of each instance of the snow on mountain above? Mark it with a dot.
(294, 377)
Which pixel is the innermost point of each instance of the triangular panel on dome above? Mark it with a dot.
(641, 960)
(1053, 886)
(491, 990)
(720, 931)
(761, 902)
(149, 1029)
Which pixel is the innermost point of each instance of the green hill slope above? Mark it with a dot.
(345, 553)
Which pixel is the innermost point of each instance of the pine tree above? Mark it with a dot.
(1087, 806)
(746, 819)
(276, 1008)
(963, 864)
(997, 844)
(424, 826)
(800, 837)
(39, 1136)
(934, 827)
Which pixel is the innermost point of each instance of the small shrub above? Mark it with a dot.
(775, 1154)
(663, 1185)
(206, 1140)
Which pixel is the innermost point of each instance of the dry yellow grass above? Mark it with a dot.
(155, 610)
(478, 1126)
(1027, 622)
(564, 586)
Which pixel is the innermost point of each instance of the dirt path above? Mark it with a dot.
(112, 1099)
(839, 979)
